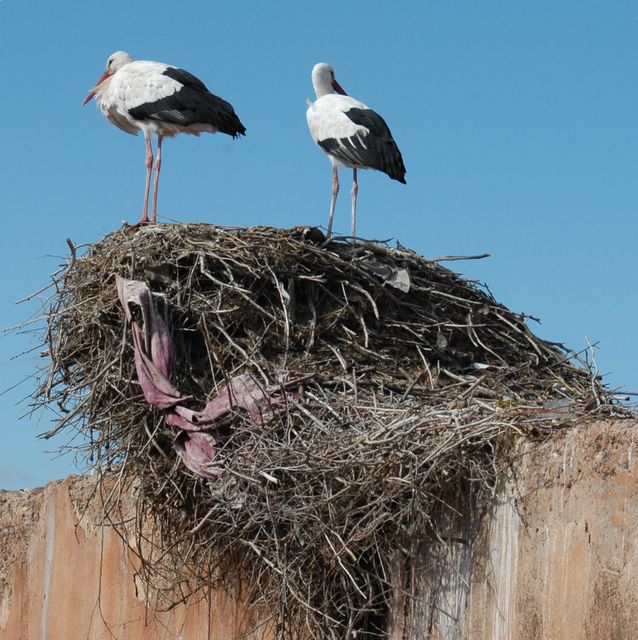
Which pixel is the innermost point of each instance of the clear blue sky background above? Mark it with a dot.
(518, 123)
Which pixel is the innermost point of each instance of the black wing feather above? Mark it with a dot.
(374, 148)
(186, 78)
(192, 104)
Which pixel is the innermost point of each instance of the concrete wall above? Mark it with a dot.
(62, 578)
(556, 558)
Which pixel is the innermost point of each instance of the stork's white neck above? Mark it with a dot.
(322, 77)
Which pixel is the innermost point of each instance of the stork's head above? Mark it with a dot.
(116, 61)
(323, 80)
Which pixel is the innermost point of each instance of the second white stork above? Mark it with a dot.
(162, 100)
(351, 134)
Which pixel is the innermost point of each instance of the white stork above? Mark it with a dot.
(157, 98)
(351, 134)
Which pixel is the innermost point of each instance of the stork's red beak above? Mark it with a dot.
(338, 88)
(103, 77)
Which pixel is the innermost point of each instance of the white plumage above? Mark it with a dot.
(327, 119)
(351, 134)
(162, 100)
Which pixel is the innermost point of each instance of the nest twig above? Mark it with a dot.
(420, 383)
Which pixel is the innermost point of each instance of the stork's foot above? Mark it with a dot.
(144, 220)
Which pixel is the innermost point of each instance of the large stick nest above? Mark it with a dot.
(415, 397)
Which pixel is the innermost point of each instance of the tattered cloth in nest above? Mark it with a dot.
(391, 386)
(153, 360)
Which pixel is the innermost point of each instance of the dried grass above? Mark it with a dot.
(416, 397)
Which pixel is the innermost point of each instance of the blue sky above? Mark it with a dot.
(517, 122)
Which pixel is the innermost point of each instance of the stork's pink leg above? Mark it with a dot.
(158, 166)
(335, 191)
(149, 165)
(355, 191)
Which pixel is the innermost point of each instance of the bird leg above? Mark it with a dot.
(157, 167)
(335, 191)
(355, 191)
(149, 165)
